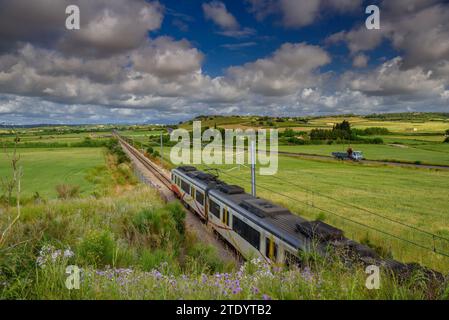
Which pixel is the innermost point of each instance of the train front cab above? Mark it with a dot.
(248, 238)
(192, 196)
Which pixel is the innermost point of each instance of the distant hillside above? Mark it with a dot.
(284, 122)
(411, 116)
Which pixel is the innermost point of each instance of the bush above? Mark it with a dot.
(178, 215)
(114, 147)
(155, 228)
(377, 141)
(373, 131)
(156, 154)
(125, 172)
(446, 140)
(66, 191)
(97, 248)
(203, 258)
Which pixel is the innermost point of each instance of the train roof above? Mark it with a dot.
(274, 218)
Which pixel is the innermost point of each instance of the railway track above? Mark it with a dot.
(161, 176)
(161, 181)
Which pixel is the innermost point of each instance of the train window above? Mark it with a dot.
(185, 186)
(291, 259)
(200, 197)
(246, 232)
(214, 208)
(225, 217)
(173, 177)
(271, 249)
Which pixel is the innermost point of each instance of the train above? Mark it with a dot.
(258, 228)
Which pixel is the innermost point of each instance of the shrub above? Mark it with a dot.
(377, 141)
(178, 215)
(155, 228)
(114, 147)
(156, 154)
(203, 258)
(126, 172)
(373, 131)
(97, 248)
(66, 191)
(446, 140)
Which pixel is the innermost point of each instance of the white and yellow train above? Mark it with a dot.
(254, 227)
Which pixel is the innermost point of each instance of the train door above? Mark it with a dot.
(225, 216)
(271, 249)
(193, 193)
(206, 205)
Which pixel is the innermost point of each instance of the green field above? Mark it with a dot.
(424, 153)
(394, 126)
(417, 197)
(44, 169)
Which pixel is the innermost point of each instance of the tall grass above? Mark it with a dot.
(132, 230)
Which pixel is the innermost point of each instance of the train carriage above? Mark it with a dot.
(253, 226)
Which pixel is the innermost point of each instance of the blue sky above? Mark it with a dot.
(268, 35)
(166, 61)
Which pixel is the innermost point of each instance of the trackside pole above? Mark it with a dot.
(253, 168)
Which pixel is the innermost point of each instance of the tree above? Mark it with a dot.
(344, 126)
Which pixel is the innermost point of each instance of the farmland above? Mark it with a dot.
(309, 187)
(347, 194)
(44, 169)
(426, 153)
(393, 209)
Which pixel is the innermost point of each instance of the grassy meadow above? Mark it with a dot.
(132, 246)
(316, 189)
(43, 169)
(431, 153)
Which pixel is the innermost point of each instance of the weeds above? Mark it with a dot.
(66, 191)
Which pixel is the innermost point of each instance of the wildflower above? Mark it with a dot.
(68, 253)
(55, 255)
(266, 297)
(307, 274)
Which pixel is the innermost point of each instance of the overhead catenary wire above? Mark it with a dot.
(433, 250)
(363, 209)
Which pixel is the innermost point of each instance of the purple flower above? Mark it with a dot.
(266, 297)
(307, 274)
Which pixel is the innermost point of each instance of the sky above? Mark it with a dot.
(136, 61)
